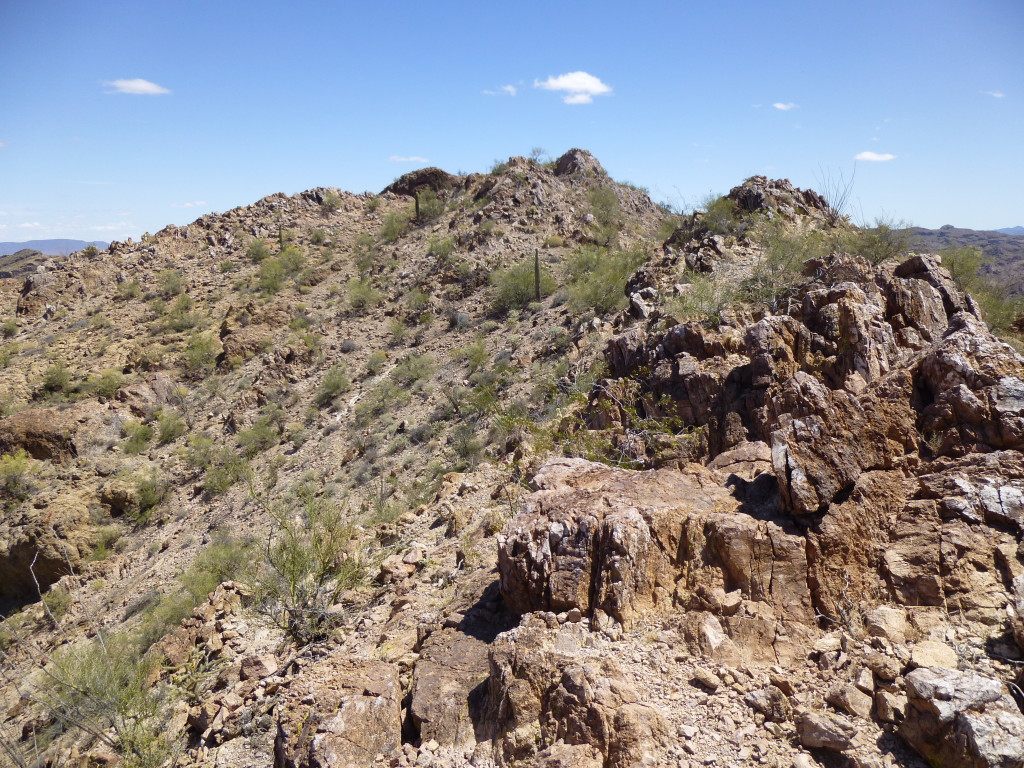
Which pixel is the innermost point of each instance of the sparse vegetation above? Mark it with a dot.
(597, 277)
(18, 473)
(887, 239)
(516, 287)
(336, 382)
(394, 226)
(137, 436)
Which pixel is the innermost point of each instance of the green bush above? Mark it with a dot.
(293, 260)
(137, 437)
(441, 247)
(150, 491)
(597, 278)
(18, 472)
(129, 290)
(9, 328)
(428, 205)
(200, 355)
(604, 206)
(362, 294)
(57, 378)
(170, 426)
(331, 202)
(102, 687)
(703, 300)
(271, 275)
(394, 226)
(413, 368)
(887, 240)
(224, 559)
(364, 253)
(721, 216)
(308, 565)
(335, 383)
(264, 434)
(258, 250)
(318, 237)
(171, 283)
(776, 276)
(964, 265)
(375, 363)
(554, 241)
(515, 287)
(107, 383)
(373, 203)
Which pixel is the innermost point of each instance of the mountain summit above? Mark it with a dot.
(513, 468)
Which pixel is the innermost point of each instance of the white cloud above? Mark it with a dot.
(994, 94)
(136, 86)
(195, 204)
(874, 157)
(784, 106)
(30, 225)
(505, 90)
(410, 159)
(121, 225)
(579, 87)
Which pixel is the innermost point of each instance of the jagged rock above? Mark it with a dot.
(342, 712)
(929, 653)
(43, 433)
(538, 679)
(888, 622)
(617, 542)
(771, 702)
(578, 161)
(778, 196)
(448, 687)
(962, 719)
(850, 699)
(823, 730)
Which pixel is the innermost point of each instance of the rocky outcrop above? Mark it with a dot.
(963, 719)
(412, 183)
(345, 712)
(43, 433)
(545, 701)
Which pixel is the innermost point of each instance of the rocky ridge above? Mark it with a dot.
(803, 548)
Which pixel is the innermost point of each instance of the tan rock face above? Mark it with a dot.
(345, 712)
(620, 544)
(43, 433)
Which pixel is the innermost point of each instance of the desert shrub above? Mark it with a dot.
(605, 208)
(385, 396)
(223, 470)
(393, 226)
(441, 247)
(107, 383)
(364, 253)
(331, 202)
(417, 300)
(373, 203)
(362, 294)
(318, 237)
(703, 299)
(170, 426)
(888, 239)
(776, 276)
(200, 355)
(376, 361)
(721, 216)
(293, 260)
(57, 601)
(179, 317)
(271, 275)
(170, 283)
(1002, 312)
(9, 328)
(258, 250)
(413, 368)
(498, 168)
(597, 278)
(428, 205)
(963, 265)
(474, 354)
(129, 289)
(106, 537)
(336, 382)
(264, 434)
(137, 436)
(515, 287)
(57, 378)
(308, 564)
(554, 241)
(150, 491)
(102, 687)
(7, 351)
(18, 472)
(224, 559)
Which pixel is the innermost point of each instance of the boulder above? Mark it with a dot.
(43, 433)
(962, 719)
(342, 711)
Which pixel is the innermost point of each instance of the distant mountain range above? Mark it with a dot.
(50, 247)
(1004, 249)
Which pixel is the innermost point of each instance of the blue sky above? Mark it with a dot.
(122, 117)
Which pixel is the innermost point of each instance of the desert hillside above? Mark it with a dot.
(512, 468)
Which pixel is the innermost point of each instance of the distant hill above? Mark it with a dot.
(50, 247)
(1012, 231)
(1005, 252)
(20, 263)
